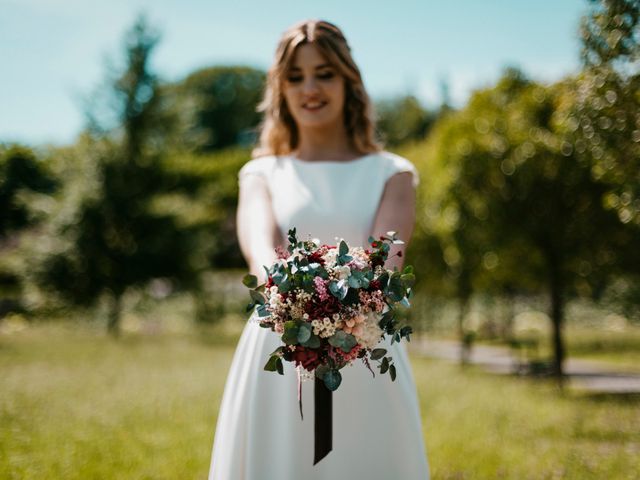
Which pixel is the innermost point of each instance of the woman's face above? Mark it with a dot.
(314, 90)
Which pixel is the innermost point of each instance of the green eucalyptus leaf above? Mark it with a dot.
(250, 281)
(385, 365)
(257, 297)
(313, 342)
(290, 334)
(339, 289)
(304, 332)
(344, 341)
(332, 379)
(378, 353)
(270, 366)
(321, 370)
(406, 332)
(285, 285)
(343, 248)
(278, 277)
(408, 279)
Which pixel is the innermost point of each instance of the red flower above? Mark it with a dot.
(306, 357)
(316, 257)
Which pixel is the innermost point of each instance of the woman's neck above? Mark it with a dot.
(324, 144)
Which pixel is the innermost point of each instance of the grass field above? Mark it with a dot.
(75, 404)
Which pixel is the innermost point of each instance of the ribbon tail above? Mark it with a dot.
(323, 420)
(300, 393)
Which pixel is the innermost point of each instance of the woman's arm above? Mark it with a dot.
(257, 230)
(396, 212)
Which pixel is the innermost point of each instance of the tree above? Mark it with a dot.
(524, 211)
(215, 107)
(20, 175)
(19, 172)
(402, 119)
(604, 122)
(118, 238)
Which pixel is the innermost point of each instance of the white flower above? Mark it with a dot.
(371, 333)
(359, 258)
(275, 300)
(330, 257)
(343, 272)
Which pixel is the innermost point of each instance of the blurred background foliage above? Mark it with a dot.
(529, 193)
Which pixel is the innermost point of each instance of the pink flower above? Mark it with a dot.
(321, 288)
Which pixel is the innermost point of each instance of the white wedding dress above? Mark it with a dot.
(377, 432)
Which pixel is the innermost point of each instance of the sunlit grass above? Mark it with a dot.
(621, 348)
(91, 407)
(82, 406)
(479, 426)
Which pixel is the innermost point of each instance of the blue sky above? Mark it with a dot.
(53, 52)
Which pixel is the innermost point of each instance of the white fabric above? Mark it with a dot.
(377, 433)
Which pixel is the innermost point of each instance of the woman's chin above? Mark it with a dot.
(317, 121)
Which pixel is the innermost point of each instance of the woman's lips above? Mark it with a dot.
(312, 107)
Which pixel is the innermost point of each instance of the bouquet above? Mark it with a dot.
(331, 305)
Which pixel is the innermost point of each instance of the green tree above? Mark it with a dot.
(215, 107)
(604, 122)
(117, 239)
(523, 211)
(21, 175)
(402, 119)
(20, 172)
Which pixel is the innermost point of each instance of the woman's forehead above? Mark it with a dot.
(308, 55)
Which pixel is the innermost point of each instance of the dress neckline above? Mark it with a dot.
(331, 162)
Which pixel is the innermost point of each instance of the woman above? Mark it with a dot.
(318, 168)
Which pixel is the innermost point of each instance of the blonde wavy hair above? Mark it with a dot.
(278, 130)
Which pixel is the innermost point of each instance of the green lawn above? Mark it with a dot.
(81, 406)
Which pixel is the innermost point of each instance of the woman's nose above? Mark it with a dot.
(310, 85)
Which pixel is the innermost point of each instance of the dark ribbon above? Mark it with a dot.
(323, 420)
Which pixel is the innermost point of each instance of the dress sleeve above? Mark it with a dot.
(255, 166)
(397, 164)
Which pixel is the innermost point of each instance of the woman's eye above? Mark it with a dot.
(326, 75)
(320, 76)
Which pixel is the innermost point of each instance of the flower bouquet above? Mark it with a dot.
(331, 305)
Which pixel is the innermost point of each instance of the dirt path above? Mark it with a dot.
(591, 376)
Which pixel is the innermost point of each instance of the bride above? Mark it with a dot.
(319, 169)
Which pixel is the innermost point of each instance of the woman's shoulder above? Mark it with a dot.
(394, 163)
(261, 166)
